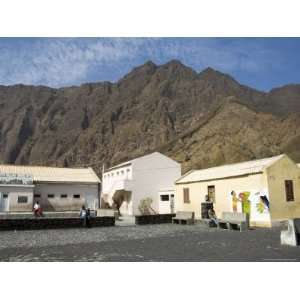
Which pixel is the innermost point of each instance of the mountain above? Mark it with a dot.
(201, 119)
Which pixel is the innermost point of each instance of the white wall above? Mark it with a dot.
(111, 178)
(147, 176)
(87, 192)
(13, 193)
(152, 174)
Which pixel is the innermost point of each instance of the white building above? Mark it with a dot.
(151, 176)
(56, 189)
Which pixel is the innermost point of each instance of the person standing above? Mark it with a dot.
(88, 218)
(82, 215)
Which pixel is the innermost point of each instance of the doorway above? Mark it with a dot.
(166, 203)
(4, 202)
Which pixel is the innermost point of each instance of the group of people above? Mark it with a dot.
(211, 212)
(85, 216)
(212, 216)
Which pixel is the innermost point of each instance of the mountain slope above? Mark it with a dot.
(200, 119)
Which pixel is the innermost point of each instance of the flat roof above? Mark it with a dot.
(227, 171)
(53, 174)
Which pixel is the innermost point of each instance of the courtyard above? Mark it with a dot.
(163, 243)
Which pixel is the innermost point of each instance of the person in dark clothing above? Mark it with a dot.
(82, 215)
(88, 218)
(212, 216)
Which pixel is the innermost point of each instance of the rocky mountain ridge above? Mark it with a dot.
(200, 119)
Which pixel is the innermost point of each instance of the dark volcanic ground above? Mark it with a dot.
(164, 242)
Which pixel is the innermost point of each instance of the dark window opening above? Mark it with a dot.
(289, 190)
(211, 193)
(50, 195)
(22, 199)
(76, 196)
(164, 197)
(5, 196)
(63, 196)
(37, 195)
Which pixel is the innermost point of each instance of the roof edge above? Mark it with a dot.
(184, 175)
(220, 178)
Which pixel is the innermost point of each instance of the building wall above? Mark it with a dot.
(223, 188)
(146, 177)
(153, 174)
(13, 193)
(284, 169)
(111, 178)
(88, 195)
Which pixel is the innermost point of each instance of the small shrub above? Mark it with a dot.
(145, 207)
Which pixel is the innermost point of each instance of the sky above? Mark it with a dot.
(262, 63)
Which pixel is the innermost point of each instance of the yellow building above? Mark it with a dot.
(268, 189)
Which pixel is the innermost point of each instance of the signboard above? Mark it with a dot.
(11, 178)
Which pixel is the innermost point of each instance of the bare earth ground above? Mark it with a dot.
(165, 242)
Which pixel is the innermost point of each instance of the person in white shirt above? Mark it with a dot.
(37, 209)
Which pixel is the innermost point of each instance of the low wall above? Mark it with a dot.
(154, 219)
(52, 223)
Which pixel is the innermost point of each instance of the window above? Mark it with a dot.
(37, 195)
(50, 195)
(289, 190)
(63, 196)
(164, 197)
(128, 170)
(76, 196)
(186, 195)
(211, 193)
(122, 172)
(22, 199)
(117, 173)
(4, 196)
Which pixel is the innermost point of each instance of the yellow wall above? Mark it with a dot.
(284, 169)
(223, 188)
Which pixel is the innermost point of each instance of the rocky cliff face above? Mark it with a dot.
(200, 119)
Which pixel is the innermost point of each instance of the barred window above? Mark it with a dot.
(22, 199)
